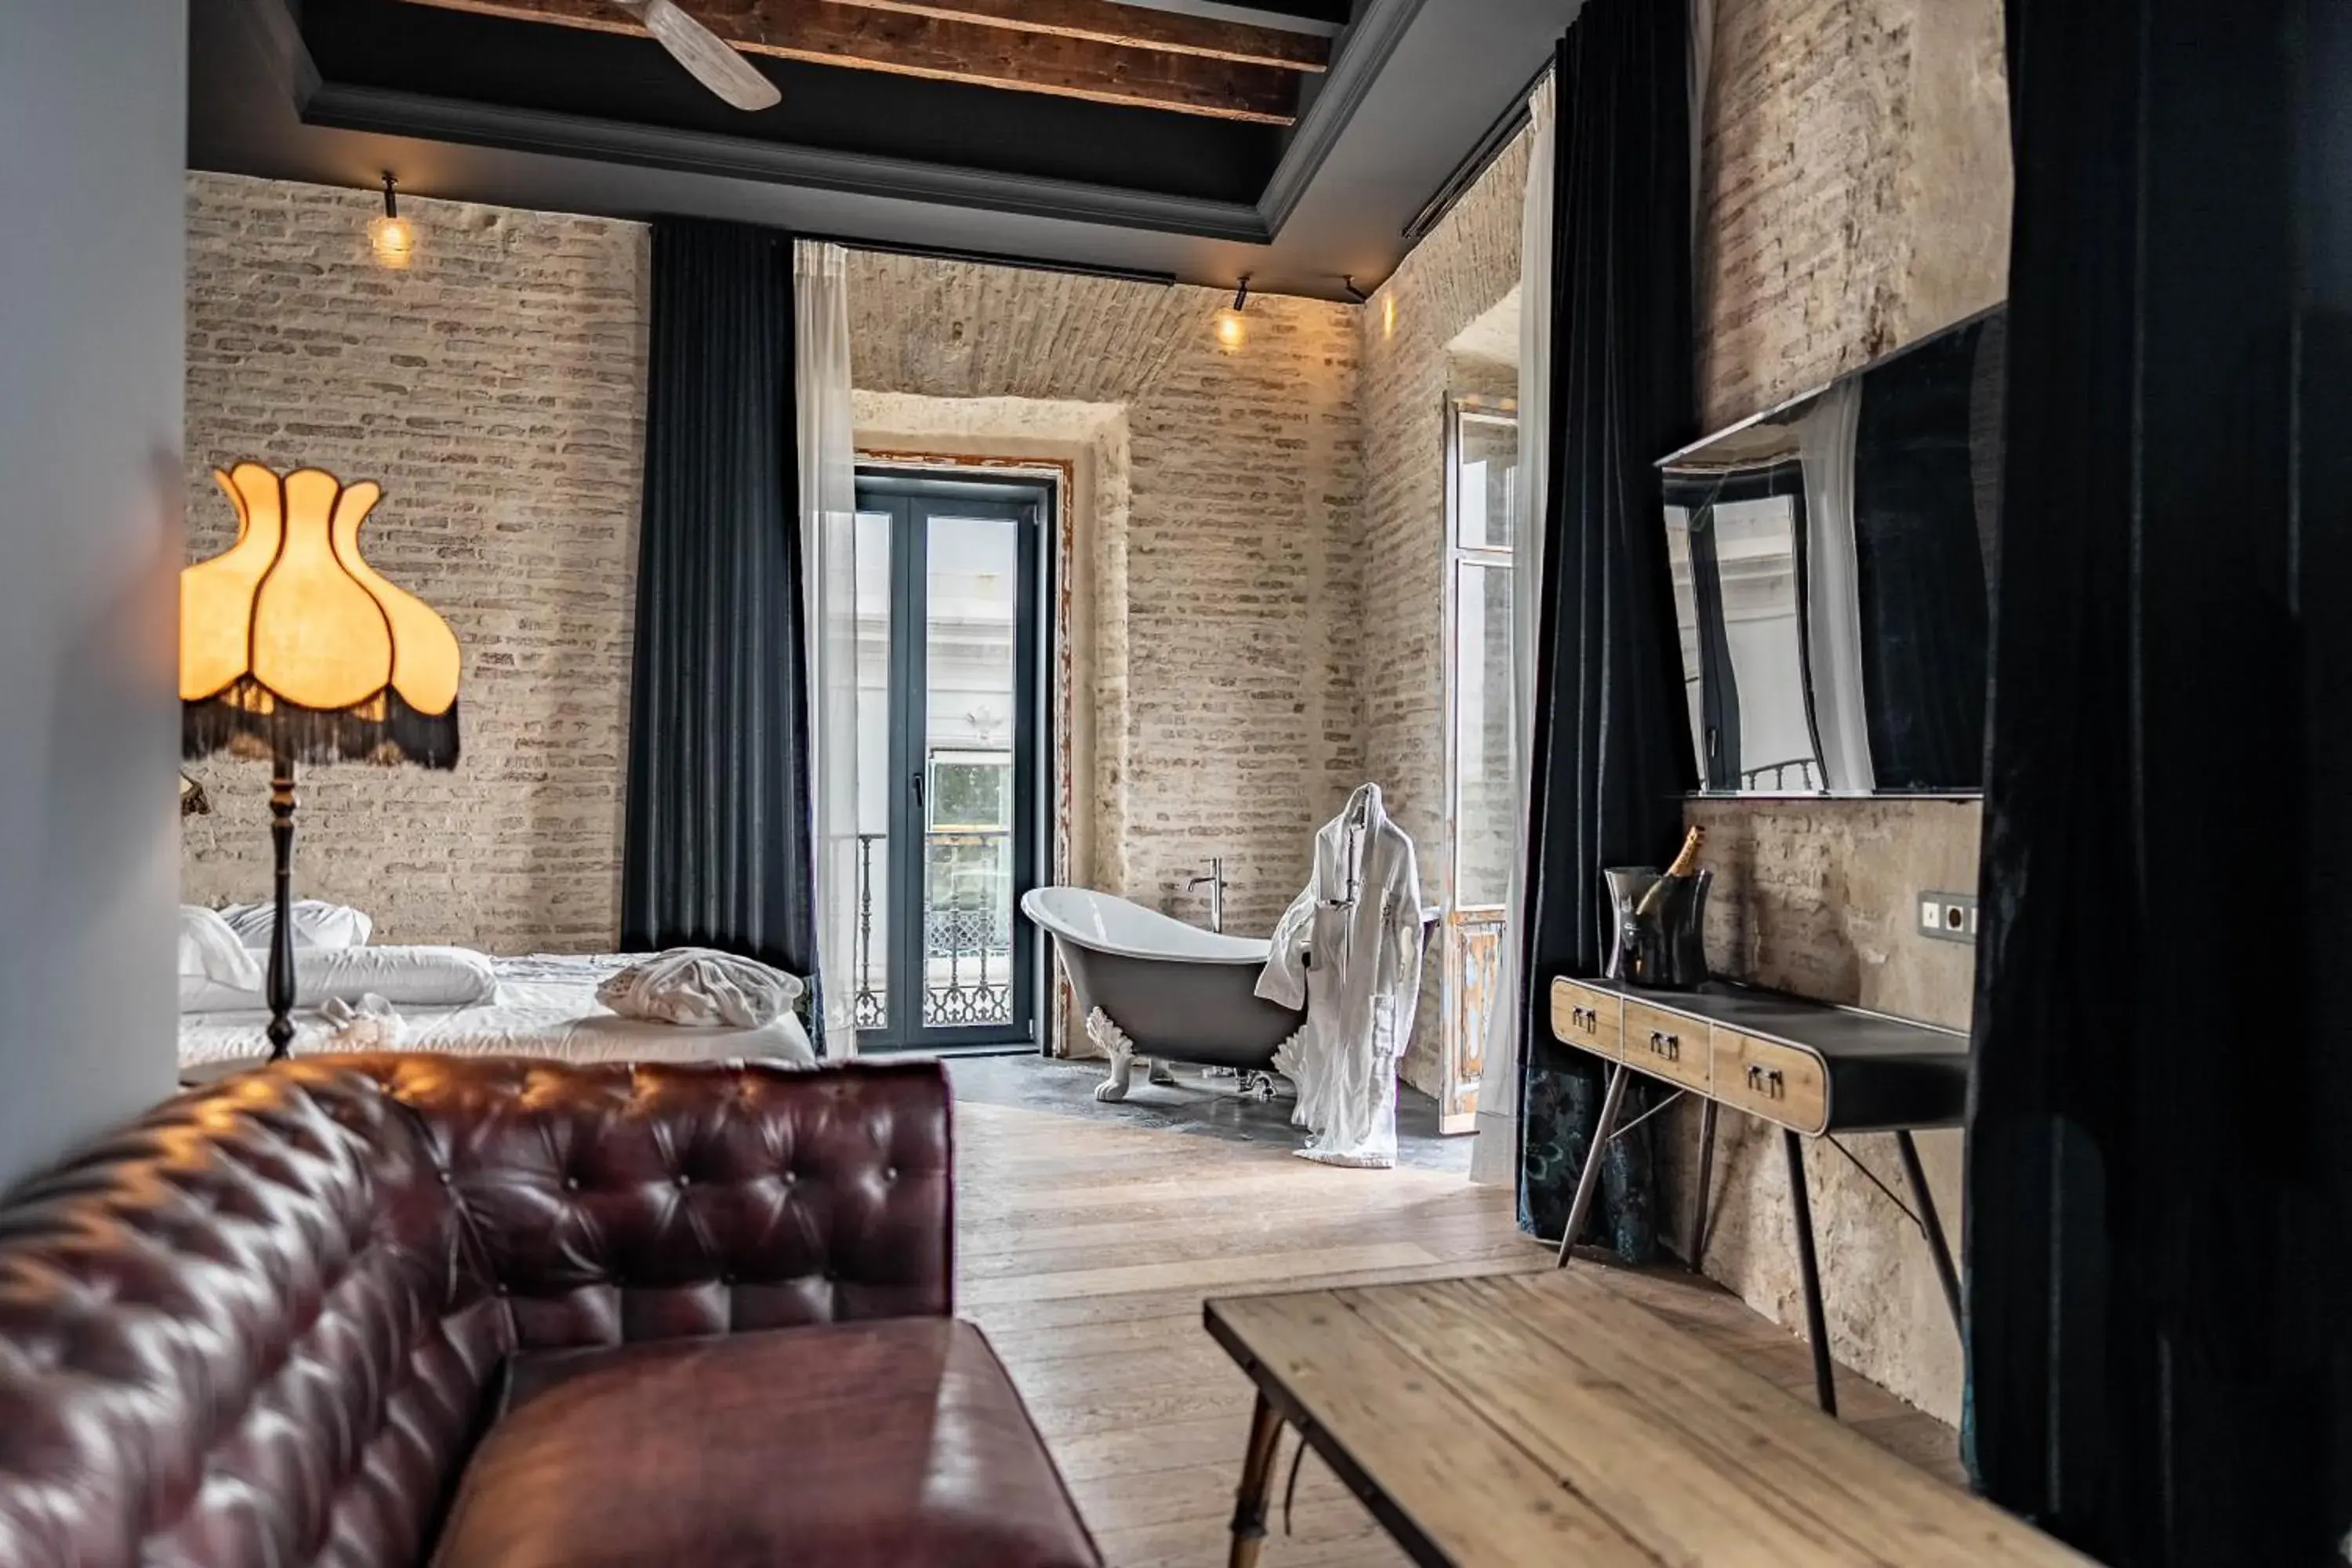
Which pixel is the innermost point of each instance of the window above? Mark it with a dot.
(1482, 474)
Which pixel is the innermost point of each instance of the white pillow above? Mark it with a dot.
(317, 923)
(403, 976)
(699, 988)
(211, 958)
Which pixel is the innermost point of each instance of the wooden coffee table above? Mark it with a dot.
(1545, 1420)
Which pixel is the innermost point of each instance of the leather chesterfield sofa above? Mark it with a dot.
(398, 1310)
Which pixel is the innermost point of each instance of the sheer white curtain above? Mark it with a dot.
(828, 474)
(1496, 1157)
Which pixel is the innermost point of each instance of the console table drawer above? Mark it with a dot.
(1665, 1045)
(1766, 1078)
(1588, 1019)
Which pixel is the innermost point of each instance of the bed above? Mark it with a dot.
(545, 1005)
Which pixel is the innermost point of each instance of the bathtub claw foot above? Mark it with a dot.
(1257, 1085)
(1112, 1038)
(1161, 1073)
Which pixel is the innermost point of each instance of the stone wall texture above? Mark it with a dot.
(495, 389)
(1459, 272)
(1854, 197)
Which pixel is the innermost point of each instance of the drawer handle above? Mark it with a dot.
(1667, 1046)
(1764, 1080)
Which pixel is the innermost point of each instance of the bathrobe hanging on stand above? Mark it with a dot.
(1349, 950)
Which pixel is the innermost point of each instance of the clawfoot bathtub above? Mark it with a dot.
(1157, 990)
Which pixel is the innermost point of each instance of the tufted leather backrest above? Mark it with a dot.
(618, 1204)
(248, 1329)
(261, 1325)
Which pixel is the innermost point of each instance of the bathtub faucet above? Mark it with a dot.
(1216, 881)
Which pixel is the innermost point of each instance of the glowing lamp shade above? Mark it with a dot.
(1232, 330)
(293, 647)
(394, 241)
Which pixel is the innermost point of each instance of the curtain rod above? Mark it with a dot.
(1482, 154)
(994, 258)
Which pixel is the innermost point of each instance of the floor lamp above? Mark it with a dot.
(293, 650)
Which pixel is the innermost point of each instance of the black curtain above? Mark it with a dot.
(2160, 1171)
(718, 851)
(1612, 752)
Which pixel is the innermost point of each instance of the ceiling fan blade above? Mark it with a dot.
(704, 54)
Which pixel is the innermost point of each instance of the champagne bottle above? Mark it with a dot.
(1686, 862)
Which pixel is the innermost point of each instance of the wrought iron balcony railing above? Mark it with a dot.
(966, 947)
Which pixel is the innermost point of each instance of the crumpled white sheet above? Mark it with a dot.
(369, 1023)
(700, 988)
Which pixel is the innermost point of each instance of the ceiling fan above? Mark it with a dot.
(711, 60)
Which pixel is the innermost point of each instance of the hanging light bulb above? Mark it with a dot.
(1231, 327)
(393, 236)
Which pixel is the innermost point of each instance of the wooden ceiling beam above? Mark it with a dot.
(907, 41)
(1130, 26)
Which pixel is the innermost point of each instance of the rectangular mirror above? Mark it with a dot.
(1832, 561)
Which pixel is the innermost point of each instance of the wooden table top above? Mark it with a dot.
(1541, 1418)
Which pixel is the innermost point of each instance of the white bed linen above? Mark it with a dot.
(545, 1006)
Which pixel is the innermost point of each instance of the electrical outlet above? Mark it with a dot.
(1948, 917)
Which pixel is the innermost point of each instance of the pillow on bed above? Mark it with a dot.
(317, 923)
(700, 988)
(211, 958)
(403, 976)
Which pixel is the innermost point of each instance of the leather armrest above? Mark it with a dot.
(619, 1204)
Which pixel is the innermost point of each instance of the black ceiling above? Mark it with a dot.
(527, 114)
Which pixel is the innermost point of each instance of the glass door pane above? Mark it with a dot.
(972, 608)
(954, 733)
(874, 792)
(1485, 817)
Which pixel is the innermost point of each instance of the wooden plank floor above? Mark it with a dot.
(1085, 1250)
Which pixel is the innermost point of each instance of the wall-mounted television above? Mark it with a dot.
(1832, 565)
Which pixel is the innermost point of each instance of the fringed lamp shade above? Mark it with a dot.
(293, 647)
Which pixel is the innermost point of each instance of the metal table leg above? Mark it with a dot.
(1931, 1223)
(1257, 1481)
(1809, 1267)
(1587, 1183)
(1706, 1109)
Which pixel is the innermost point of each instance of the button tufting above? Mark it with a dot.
(889, 1173)
(571, 1184)
(445, 1178)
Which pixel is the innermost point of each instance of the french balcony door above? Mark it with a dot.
(950, 734)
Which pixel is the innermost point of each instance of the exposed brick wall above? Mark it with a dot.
(1465, 267)
(1854, 191)
(497, 391)
(1225, 584)
(1855, 198)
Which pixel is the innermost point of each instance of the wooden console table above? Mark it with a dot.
(1544, 1419)
(1813, 1069)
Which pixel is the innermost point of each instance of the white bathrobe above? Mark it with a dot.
(1359, 918)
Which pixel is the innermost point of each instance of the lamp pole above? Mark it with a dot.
(281, 935)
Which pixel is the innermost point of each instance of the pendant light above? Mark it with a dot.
(1231, 327)
(393, 236)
